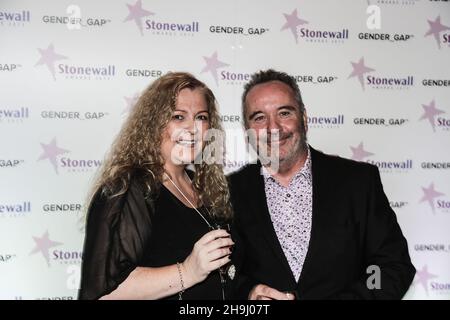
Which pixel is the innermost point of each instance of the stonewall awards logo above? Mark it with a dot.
(130, 102)
(43, 244)
(212, 65)
(53, 61)
(326, 121)
(435, 199)
(430, 282)
(14, 18)
(51, 251)
(359, 153)
(136, 13)
(216, 68)
(387, 3)
(367, 76)
(17, 209)
(14, 114)
(60, 159)
(150, 22)
(302, 30)
(435, 117)
(439, 31)
(67, 257)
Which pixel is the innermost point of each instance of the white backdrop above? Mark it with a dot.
(374, 76)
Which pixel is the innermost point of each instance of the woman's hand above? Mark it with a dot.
(211, 252)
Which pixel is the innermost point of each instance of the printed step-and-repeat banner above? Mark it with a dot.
(375, 77)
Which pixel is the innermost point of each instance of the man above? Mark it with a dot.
(313, 226)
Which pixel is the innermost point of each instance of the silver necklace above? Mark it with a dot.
(186, 198)
(221, 269)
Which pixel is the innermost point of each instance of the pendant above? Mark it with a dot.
(231, 271)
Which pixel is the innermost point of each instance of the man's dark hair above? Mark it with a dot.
(269, 75)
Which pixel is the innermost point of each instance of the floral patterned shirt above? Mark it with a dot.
(290, 210)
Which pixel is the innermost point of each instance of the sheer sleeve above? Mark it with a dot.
(117, 230)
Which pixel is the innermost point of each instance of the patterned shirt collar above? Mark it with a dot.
(305, 171)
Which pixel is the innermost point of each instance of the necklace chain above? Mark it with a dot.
(187, 199)
(221, 275)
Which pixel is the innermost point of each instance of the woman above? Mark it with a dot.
(148, 232)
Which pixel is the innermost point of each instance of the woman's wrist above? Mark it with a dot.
(189, 278)
(182, 287)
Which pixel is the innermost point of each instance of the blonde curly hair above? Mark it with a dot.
(136, 152)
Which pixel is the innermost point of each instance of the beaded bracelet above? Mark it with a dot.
(180, 294)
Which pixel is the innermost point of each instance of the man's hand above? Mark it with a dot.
(263, 292)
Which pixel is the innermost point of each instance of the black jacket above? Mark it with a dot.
(353, 227)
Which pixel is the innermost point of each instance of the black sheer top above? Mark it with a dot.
(132, 230)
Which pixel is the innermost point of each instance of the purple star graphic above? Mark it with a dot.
(435, 28)
(51, 151)
(136, 13)
(131, 101)
(430, 112)
(212, 64)
(429, 194)
(423, 276)
(43, 244)
(292, 22)
(359, 153)
(49, 57)
(359, 69)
